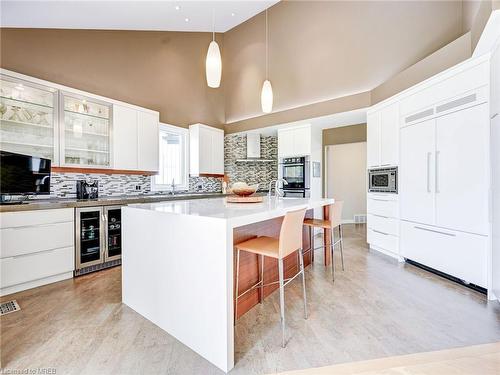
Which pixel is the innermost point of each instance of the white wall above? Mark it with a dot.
(346, 177)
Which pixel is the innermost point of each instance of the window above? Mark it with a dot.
(173, 159)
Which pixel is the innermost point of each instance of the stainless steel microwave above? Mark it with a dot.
(383, 180)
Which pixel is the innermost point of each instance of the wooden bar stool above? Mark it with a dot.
(334, 222)
(290, 240)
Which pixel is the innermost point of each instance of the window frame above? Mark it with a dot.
(184, 133)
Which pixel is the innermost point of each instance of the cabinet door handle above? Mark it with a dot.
(436, 173)
(428, 172)
(380, 200)
(385, 165)
(436, 231)
(383, 217)
(377, 231)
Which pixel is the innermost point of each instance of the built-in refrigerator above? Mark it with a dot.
(98, 242)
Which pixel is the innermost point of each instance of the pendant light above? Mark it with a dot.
(266, 96)
(213, 64)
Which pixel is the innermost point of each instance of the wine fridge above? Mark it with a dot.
(98, 242)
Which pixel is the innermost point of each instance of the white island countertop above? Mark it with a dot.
(236, 214)
(178, 266)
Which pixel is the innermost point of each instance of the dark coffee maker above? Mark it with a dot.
(87, 189)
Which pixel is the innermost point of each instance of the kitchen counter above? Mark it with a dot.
(235, 214)
(178, 265)
(52, 203)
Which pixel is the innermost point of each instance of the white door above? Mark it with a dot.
(415, 181)
(205, 150)
(124, 138)
(346, 177)
(217, 152)
(462, 170)
(148, 141)
(373, 140)
(389, 135)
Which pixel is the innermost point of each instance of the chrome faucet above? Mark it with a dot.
(277, 191)
(173, 187)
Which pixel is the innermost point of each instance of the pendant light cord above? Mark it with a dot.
(213, 25)
(267, 48)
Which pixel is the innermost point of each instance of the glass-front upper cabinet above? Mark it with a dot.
(27, 118)
(85, 131)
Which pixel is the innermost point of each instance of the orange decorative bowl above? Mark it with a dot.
(244, 190)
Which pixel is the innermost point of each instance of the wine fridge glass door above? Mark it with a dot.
(89, 237)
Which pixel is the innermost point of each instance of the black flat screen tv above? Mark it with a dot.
(23, 174)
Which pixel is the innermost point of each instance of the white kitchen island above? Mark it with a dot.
(177, 266)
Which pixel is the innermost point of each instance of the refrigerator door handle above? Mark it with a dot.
(104, 236)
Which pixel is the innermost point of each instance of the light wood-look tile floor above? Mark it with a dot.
(470, 360)
(376, 308)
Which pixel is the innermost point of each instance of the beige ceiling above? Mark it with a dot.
(322, 50)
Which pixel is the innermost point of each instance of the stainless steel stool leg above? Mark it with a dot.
(261, 279)
(303, 282)
(332, 254)
(341, 245)
(236, 287)
(282, 301)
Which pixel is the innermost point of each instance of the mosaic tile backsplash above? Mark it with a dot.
(235, 147)
(63, 185)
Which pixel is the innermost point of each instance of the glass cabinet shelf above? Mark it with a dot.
(27, 118)
(86, 132)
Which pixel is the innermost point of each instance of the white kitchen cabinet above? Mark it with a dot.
(302, 140)
(285, 142)
(383, 137)
(37, 248)
(125, 152)
(206, 149)
(85, 131)
(416, 184)
(495, 83)
(135, 139)
(444, 176)
(459, 254)
(373, 140)
(389, 135)
(74, 128)
(148, 141)
(294, 141)
(218, 152)
(383, 223)
(462, 170)
(28, 118)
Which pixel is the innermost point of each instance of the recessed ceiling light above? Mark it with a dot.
(177, 7)
(186, 19)
(233, 14)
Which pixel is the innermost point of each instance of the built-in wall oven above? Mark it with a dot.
(98, 238)
(383, 180)
(295, 171)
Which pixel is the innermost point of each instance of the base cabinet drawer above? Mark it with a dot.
(383, 240)
(25, 268)
(382, 206)
(30, 239)
(36, 217)
(383, 224)
(458, 254)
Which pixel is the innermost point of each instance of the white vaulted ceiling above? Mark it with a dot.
(160, 15)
